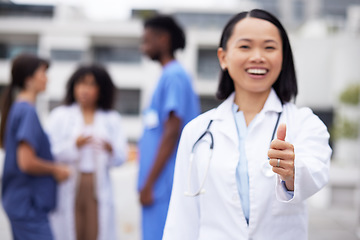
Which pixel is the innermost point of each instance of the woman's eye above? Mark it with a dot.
(270, 48)
(244, 46)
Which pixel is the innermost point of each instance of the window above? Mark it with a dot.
(9, 9)
(336, 8)
(299, 10)
(121, 54)
(208, 102)
(143, 14)
(271, 6)
(203, 20)
(2, 89)
(2, 92)
(208, 66)
(9, 51)
(127, 101)
(66, 55)
(327, 116)
(3, 51)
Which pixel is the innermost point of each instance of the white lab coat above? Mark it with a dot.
(217, 214)
(64, 126)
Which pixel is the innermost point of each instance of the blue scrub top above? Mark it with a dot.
(25, 196)
(174, 93)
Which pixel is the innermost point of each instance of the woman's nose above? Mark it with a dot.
(257, 56)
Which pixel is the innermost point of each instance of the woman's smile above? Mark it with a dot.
(257, 73)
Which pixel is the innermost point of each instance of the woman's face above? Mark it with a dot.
(253, 55)
(37, 82)
(86, 91)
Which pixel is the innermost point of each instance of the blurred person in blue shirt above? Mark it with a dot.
(174, 103)
(29, 177)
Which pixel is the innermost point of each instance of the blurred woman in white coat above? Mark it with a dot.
(87, 135)
(245, 169)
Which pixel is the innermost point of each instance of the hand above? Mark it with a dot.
(280, 149)
(81, 141)
(108, 147)
(61, 173)
(146, 195)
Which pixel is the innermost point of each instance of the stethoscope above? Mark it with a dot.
(266, 168)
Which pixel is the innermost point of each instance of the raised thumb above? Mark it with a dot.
(281, 132)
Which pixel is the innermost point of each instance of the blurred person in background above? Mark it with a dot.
(88, 136)
(257, 158)
(174, 103)
(30, 175)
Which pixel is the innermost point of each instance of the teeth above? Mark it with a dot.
(256, 71)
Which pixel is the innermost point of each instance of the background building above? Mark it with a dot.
(325, 37)
(65, 36)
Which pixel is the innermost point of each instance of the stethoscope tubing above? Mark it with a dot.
(201, 189)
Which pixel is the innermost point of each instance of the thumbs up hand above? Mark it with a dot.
(281, 132)
(282, 156)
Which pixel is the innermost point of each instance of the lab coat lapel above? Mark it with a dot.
(225, 119)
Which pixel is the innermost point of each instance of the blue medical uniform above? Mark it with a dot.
(27, 199)
(174, 93)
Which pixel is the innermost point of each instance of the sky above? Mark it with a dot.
(120, 9)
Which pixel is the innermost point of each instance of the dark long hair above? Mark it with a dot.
(286, 84)
(102, 79)
(23, 66)
(168, 24)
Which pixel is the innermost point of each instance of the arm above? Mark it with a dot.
(117, 144)
(167, 146)
(312, 154)
(29, 163)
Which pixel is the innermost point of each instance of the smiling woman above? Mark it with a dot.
(253, 58)
(258, 181)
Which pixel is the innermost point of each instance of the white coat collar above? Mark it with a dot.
(77, 114)
(226, 123)
(272, 103)
(224, 113)
(76, 107)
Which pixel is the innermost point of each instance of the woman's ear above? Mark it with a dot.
(221, 53)
(28, 83)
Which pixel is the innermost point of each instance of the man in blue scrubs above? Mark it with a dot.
(174, 103)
